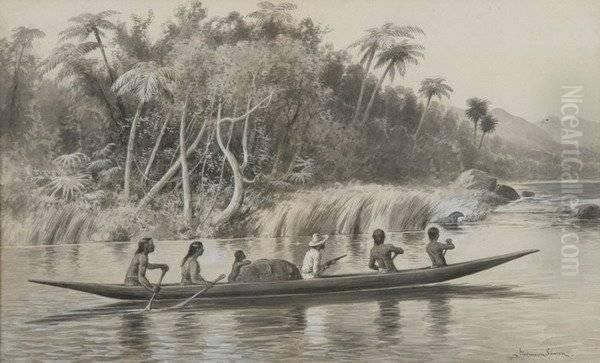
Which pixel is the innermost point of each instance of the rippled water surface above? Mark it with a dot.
(523, 307)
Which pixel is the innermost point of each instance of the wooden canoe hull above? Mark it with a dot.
(326, 284)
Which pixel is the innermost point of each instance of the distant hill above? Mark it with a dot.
(518, 131)
(590, 130)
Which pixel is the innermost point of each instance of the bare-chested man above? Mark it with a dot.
(136, 274)
(437, 250)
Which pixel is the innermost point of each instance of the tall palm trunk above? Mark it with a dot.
(372, 100)
(416, 136)
(111, 74)
(13, 98)
(163, 129)
(481, 141)
(363, 85)
(475, 132)
(130, 145)
(185, 176)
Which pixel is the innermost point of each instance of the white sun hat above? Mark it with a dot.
(317, 240)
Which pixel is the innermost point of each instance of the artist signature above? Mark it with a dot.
(547, 353)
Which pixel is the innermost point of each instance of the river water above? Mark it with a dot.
(530, 308)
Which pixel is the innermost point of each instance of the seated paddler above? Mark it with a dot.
(190, 268)
(382, 254)
(240, 261)
(136, 273)
(437, 250)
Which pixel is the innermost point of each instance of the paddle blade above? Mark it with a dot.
(211, 284)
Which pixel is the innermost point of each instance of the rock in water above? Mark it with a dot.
(452, 219)
(587, 211)
(507, 192)
(527, 194)
(265, 270)
(476, 179)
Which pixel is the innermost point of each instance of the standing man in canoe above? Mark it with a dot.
(311, 266)
(382, 255)
(437, 250)
(136, 273)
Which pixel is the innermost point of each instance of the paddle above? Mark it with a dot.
(205, 289)
(149, 306)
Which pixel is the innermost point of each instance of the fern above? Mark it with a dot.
(97, 166)
(71, 161)
(110, 175)
(104, 152)
(302, 172)
(280, 184)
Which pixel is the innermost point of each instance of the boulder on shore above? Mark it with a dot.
(527, 194)
(266, 270)
(507, 192)
(476, 179)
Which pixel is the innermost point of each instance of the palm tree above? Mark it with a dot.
(72, 65)
(145, 81)
(374, 40)
(394, 59)
(431, 87)
(22, 39)
(477, 108)
(88, 24)
(488, 125)
(270, 13)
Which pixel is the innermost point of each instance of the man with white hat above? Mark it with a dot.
(311, 266)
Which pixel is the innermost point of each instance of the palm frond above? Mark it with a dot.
(435, 87)
(488, 124)
(145, 80)
(79, 31)
(67, 53)
(67, 186)
(477, 108)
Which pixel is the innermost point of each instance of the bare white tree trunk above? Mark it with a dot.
(238, 178)
(130, 145)
(163, 129)
(156, 188)
(185, 176)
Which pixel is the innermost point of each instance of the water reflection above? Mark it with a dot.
(189, 333)
(439, 318)
(133, 334)
(388, 320)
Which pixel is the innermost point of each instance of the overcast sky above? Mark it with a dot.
(516, 53)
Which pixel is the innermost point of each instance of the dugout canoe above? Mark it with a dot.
(325, 284)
